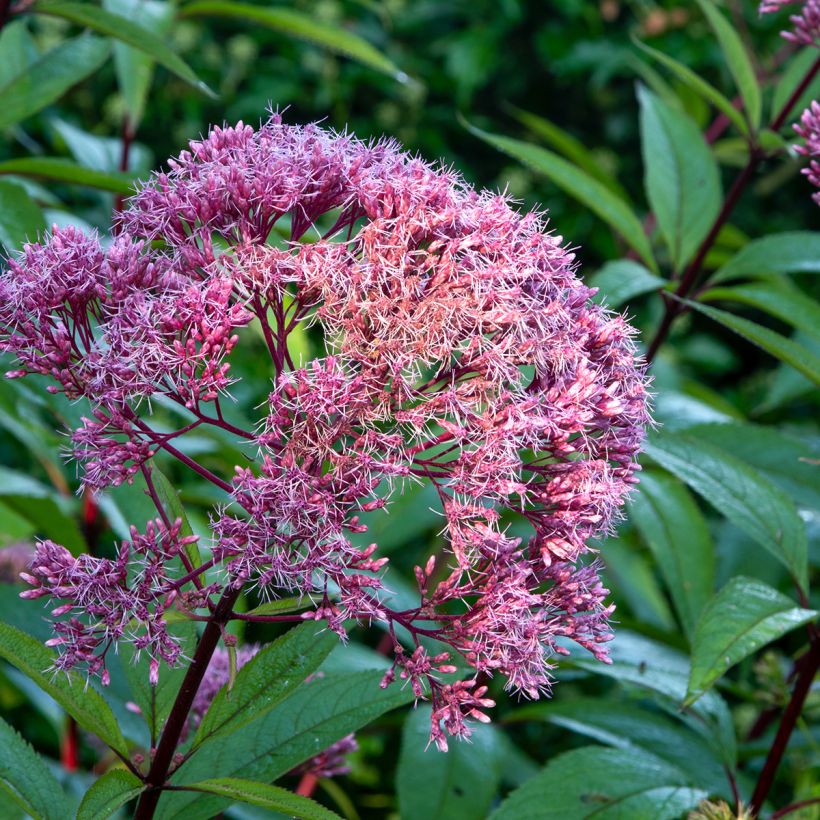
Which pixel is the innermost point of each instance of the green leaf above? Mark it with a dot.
(675, 531)
(21, 220)
(626, 726)
(135, 69)
(799, 357)
(316, 714)
(578, 184)
(698, 85)
(109, 792)
(281, 606)
(124, 30)
(681, 176)
(622, 280)
(571, 147)
(738, 60)
(62, 170)
(790, 252)
(46, 80)
(605, 784)
(745, 496)
(295, 24)
(796, 70)
(17, 50)
(744, 616)
(83, 703)
(459, 784)
(169, 497)
(778, 298)
(266, 680)
(25, 777)
(265, 796)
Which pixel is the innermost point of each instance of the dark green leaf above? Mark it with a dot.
(50, 77)
(17, 50)
(605, 784)
(27, 780)
(781, 347)
(746, 497)
(744, 616)
(790, 252)
(265, 796)
(797, 69)
(459, 784)
(124, 30)
(295, 24)
(61, 170)
(622, 280)
(266, 680)
(21, 220)
(578, 184)
(680, 175)
(83, 703)
(738, 60)
(111, 791)
(675, 531)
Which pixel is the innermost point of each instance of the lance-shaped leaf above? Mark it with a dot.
(169, 498)
(109, 793)
(21, 220)
(744, 616)
(622, 280)
(55, 169)
(790, 252)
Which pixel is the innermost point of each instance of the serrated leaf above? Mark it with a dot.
(675, 531)
(266, 797)
(790, 252)
(62, 170)
(83, 703)
(318, 713)
(458, 784)
(578, 184)
(781, 347)
(743, 617)
(25, 777)
(109, 793)
(738, 60)
(47, 79)
(605, 784)
(295, 24)
(124, 30)
(622, 280)
(21, 220)
(169, 497)
(266, 680)
(681, 176)
(745, 496)
(698, 85)
(778, 298)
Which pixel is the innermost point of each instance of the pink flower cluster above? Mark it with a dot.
(461, 351)
(805, 24)
(809, 129)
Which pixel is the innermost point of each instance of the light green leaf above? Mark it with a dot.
(62, 170)
(623, 280)
(295, 24)
(124, 30)
(746, 497)
(698, 85)
(25, 778)
(109, 793)
(799, 357)
(268, 797)
(681, 176)
(46, 80)
(744, 616)
(675, 531)
(458, 784)
(101, 153)
(17, 50)
(266, 680)
(796, 70)
(606, 784)
(790, 252)
(738, 60)
(280, 606)
(578, 184)
(778, 298)
(83, 703)
(21, 220)
(169, 497)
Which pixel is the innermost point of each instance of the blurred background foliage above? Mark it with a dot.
(422, 71)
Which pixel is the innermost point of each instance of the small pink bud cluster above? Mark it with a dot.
(806, 23)
(461, 352)
(809, 129)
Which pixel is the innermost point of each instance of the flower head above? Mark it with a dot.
(809, 129)
(805, 23)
